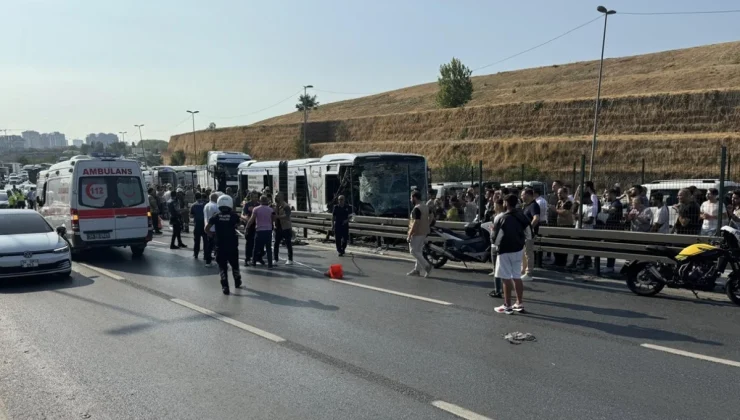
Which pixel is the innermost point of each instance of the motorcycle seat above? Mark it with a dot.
(662, 250)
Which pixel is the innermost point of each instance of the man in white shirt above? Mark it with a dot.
(210, 210)
(709, 212)
(660, 219)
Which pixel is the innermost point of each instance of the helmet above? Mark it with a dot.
(225, 201)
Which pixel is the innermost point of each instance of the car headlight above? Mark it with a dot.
(62, 249)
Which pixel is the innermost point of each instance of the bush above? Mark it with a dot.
(455, 86)
(177, 158)
(454, 169)
(463, 133)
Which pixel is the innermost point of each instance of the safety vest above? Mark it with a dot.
(11, 200)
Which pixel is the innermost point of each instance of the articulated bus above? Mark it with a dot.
(375, 184)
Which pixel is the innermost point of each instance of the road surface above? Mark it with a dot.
(155, 339)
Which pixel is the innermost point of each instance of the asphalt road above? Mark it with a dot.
(155, 338)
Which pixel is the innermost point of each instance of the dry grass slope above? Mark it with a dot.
(542, 117)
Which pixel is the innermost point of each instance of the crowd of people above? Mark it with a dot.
(217, 227)
(19, 200)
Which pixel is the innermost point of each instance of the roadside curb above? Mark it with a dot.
(3, 412)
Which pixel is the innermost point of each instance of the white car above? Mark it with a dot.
(3, 200)
(29, 246)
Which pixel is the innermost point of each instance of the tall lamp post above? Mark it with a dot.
(141, 141)
(606, 12)
(305, 120)
(123, 139)
(195, 151)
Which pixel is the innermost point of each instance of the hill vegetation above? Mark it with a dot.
(676, 100)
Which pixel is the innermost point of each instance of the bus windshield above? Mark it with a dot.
(231, 169)
(383, 187)
(167, 178)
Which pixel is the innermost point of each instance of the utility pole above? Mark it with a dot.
(305, 121)
(141, 141)
(195, 150)
(606, 12)
(123, 138)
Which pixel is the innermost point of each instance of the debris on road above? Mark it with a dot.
(517, 337)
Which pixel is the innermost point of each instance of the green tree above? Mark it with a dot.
(84, 149)
(245, 148)
(177, 158)
(202, 157)
(307, 102)
(212, 126)
(23, 160)
(455, 86)
(98, 147)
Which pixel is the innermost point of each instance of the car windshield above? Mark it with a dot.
(3, 196)
(23, 224)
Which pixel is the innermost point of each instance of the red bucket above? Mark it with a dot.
(335, 272)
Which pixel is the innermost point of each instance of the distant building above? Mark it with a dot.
(78, 142)
(32, 138)
(12, 143)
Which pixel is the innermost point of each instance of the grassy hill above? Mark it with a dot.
(674, 109)
(693, 69)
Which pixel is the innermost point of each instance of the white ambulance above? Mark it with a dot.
(100, 200)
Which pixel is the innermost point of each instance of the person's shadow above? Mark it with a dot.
(285, 301)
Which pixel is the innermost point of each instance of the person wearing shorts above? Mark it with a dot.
(510, 234)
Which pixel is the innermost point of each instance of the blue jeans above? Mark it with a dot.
(262, 240)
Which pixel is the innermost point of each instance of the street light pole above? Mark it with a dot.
(195, 151)
(123, 139)
(141, 141)
(606, 12)
(305, 121)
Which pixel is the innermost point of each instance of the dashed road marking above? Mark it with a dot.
(102, 271)
(230, 321)
(692, 355)
(393, 292)
(159, 243)
(463, 413)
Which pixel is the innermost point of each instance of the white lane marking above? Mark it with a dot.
(309, 267)
(102, 271)
(230, 321)
(458, 411)
(160, 243)
(393, 292)
(692, 355)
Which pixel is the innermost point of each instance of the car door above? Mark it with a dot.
(132, 220)
(96, 204)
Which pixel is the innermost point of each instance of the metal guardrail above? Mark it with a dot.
(381, 227)
(594, 243)
(612, 244)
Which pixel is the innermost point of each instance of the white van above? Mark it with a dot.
(100, 200)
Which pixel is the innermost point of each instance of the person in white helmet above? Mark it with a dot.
(225, 223)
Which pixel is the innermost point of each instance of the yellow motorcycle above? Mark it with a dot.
(696, 267)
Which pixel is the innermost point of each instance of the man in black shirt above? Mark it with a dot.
(250, 230)
(510, 234)
(340, 222)
(688, 222)
(226, 222)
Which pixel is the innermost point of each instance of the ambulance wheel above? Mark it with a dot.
(138, 250)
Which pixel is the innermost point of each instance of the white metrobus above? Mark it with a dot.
(374, 184)
(99, 200)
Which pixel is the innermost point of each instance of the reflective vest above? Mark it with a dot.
(11, 200)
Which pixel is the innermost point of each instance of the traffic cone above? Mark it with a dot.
(335, 272)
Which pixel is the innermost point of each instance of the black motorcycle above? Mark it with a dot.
(696, 267)
(473, 246)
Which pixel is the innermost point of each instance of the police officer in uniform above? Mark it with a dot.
(226, 223)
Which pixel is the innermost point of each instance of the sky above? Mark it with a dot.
(89, 66)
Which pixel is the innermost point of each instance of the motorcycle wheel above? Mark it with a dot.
(437, 261)
(641, 282)
(732, 288)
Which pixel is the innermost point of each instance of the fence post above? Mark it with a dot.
(573, 184)
(522, 176)
(642, 177)
(580, 196)
(729, 161)
(721, 201)
(472, 175)
(481, 194)
(408, 188)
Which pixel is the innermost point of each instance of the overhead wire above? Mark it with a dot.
(258, 111)
(699, 12)
(538, 45)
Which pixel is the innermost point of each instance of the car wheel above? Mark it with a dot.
(138, 251)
